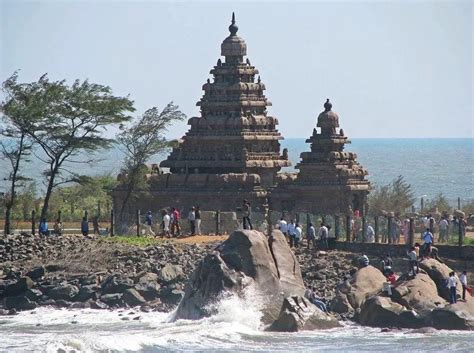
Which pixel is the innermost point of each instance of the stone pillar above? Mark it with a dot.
(348, 228)
(389, 228)
(364, 230)
(337, 223)
(376, 229)
(411, 232)
(112, 222)
(33, 220)
(138, 223)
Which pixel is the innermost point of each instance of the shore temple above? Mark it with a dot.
(232, 152)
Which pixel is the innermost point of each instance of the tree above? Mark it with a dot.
(15, 147)
(141, 141)
(394, 197)
(64, 121)
(440, 202)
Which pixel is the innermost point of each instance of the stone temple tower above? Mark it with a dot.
(234, 134)
(330, 180)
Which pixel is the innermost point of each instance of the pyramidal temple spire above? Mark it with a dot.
(233, 27)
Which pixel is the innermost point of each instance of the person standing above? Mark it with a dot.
(443, 230)
(413, 261)
(370, 234)
(283, 227)
(291, 232)
(43, 227)
(298, 235)
(95, 225)
(247, 212)
(311, 236)
(463, 280)
(192, 220)
(175, 227)
(452, 282)
(197, 215)
(85, 227)
(427, 242)
(166, 223)
(323, 236)
(58, 227)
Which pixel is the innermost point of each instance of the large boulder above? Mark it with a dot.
(116, 284)
(298, 314)
(247, 259)
(439, 273)
(383, 312)
(64, 291)
(459, 316)
(18, 287)
(352, 293)
(19, 303)
(419, 293)
(169, 274)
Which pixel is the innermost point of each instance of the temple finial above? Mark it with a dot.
(327, 105)
(233, 28)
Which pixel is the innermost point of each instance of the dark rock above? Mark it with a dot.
(86, 292)
(19, 303)
(171, 273)
(116, 284)
(61, 303)
(459, 316)
(149, 291)
(33, 294)
(36, 273)
(97, 304)
(65, 291)
(172, 296)
(298, 314)
(53, 267)
(18, 287)
(113, 299)
(131, 297)
(80, 305)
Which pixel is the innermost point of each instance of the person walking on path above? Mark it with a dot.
(175, 227)
(166, 223)
(443, 230)
(463, 280)
(452, 282)
(298, 235)
(323, 236)
(43, 227)
(192, 220)
(311, 236)
(85, 227)
(197, 215)
(247, 213)
(291, 232)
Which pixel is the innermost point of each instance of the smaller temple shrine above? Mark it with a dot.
(330, 181)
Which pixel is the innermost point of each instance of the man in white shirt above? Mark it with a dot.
(443, 229)
(463, 280)
(452, 282)
(291, 232)
(283, 226)
(192, 220)
(428, 241)
(298, 235)
(311, 236)
(323, 236)
(166, 224)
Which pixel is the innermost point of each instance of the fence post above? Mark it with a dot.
(138, 223)
(348, 228)
(112, 221)
(459, 203)
(411, 232)
(364, 230)
(98, 209)
(59, 215)
(336, 226)
(33, 222)
(460, 232)
(422, 202)
(376, 228)
(389, 229)
(218, 221)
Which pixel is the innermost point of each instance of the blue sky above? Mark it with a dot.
(391, 69)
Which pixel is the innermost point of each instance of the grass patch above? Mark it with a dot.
(134, 240)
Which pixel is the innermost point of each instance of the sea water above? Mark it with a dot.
(235, 328)
(431, 166)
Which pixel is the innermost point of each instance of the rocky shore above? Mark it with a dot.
(78, 272)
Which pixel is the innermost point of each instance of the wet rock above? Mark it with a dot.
(19, 303)
(382, 311)
(298, 314)
(33, 294)
(86, 292)
(116, 284)
(131, 297)
(63, 292)
(36, 273)
(172, 296)
(97, 304)
(113, 299)
(459, 316)
(18, 287)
